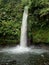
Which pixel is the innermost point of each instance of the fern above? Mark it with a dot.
(44, 11)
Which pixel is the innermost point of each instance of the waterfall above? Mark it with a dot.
(22, 48)
(23, 38)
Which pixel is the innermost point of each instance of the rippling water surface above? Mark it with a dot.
(30, 58)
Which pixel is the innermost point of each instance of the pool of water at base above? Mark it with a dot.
(29, 58)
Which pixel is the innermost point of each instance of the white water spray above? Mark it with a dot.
(23, 38)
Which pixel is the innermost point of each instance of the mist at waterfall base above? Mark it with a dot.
(22, 48)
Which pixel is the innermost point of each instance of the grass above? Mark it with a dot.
(5, 42)
(41, 36)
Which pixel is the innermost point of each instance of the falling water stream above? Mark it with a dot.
(23, 38)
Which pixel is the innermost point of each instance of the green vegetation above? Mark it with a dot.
(11, 17)
(39, 20)
(10, 20)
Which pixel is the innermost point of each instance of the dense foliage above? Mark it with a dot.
(10, 20)
(39, 20)
(11, 17)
